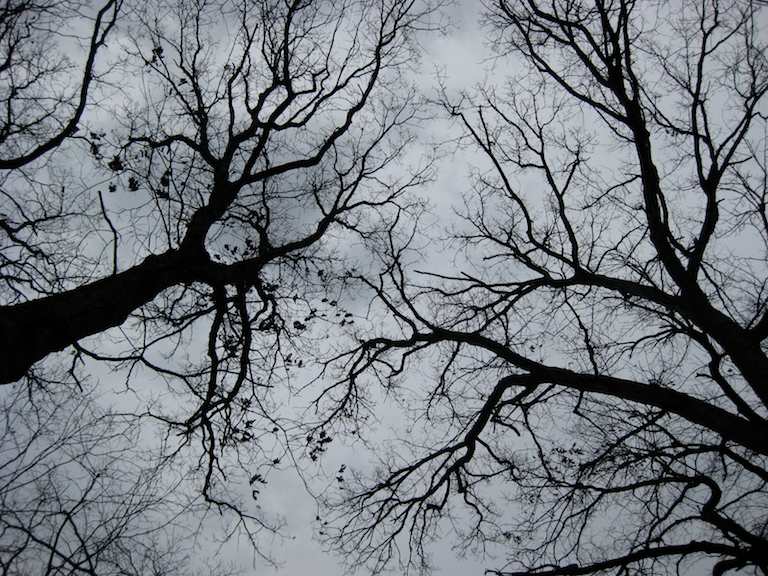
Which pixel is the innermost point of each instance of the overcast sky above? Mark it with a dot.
(179, 437)
(461, 57)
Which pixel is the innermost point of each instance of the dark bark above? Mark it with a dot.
(693, 547)
(744, 350)
(730, 427)
(32, 330)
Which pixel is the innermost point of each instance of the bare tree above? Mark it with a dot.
(80, 493)
(601, 399)
(181, 219)
(279, 107)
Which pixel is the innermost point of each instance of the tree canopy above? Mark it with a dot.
(215, 260)
(598, 403)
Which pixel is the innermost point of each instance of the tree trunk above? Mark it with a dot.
(32, 330)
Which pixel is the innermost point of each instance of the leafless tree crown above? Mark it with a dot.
(175, 178)
(601, 392)
(189, 188)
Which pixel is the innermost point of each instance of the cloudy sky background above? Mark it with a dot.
(461, 59)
